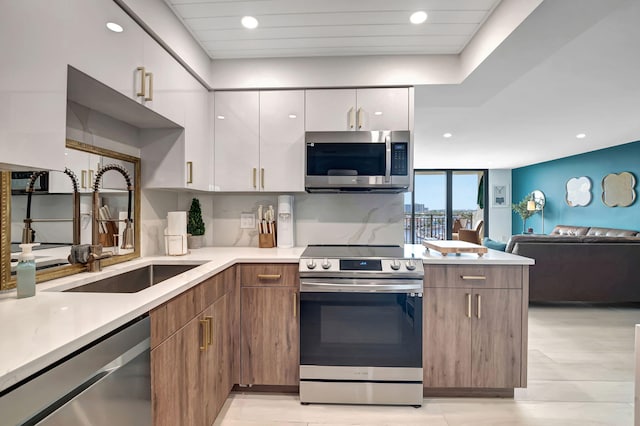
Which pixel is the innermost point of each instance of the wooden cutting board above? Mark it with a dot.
(455, 247)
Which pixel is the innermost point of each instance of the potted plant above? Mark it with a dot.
(195, 225)
(521, 209)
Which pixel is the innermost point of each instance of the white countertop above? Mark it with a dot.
(40, 330)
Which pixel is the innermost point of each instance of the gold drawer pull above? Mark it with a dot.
(204, 327)
(295, 305)
(473, 277)
(269, 276)
(210, 330)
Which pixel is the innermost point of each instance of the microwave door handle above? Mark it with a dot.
(387, 171)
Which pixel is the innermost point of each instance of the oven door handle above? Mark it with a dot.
(388, 287)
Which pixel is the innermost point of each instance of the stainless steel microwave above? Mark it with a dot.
(374, 161)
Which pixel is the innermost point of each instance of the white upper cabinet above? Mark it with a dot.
(330, 110)
(282, 140)
(109, 57)
(357, 109)
(259, 141)
(33, 82)
(383, 109)
(198, 154)
(237, 141)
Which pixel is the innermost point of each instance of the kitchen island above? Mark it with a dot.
(41, 330)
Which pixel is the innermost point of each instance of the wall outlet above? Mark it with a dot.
(247, 220)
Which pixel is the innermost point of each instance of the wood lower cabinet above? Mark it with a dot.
(475, 337)
(194, 337)
(269, 344)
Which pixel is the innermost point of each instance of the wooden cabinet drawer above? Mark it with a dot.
(169, 317)
(218, 285)
(476, 276)
(269, 274)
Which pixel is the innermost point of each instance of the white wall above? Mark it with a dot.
(500, 217)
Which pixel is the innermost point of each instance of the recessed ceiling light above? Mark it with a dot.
(293, 116)
(447, 135)
(220, 117)
(249, 22)
(418, 17)
(581, 135)
(377, 113)
(115, 27)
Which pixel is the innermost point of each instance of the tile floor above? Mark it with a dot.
(581, 372)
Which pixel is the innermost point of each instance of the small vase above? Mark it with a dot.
(195, 241)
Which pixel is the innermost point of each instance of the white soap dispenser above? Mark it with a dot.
(26, 271)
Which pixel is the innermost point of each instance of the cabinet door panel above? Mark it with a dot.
(496, 338)
(282, 140)
(198, 143)
(383, 109)
(177, 383)
(269, 336)
(237, 141)
(446, 338)
(328, 110)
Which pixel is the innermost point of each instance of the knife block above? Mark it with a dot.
(267, 240)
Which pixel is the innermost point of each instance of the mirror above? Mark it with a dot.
(618, 190)
(578, 191)
(52, 211)
(538, 197)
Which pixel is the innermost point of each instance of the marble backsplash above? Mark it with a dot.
(319, 218)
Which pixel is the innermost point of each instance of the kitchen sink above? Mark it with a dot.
(134, 280)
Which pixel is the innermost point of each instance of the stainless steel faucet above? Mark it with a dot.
(96, 254)
(28, 233)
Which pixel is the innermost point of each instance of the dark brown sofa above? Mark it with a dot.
(577, 263)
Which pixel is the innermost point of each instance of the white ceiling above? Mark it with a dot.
(294, 28)
(571, 67)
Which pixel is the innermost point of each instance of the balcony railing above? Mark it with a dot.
(432, 226)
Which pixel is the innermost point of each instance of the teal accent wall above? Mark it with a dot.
(551, 177)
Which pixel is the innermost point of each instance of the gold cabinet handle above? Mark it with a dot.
(269, 276)
(468, 296)
(473, 277)
(352, 118)
(204, 326)
(255, 171)
(90, 178)
(143, 75)
(189, 171)
(295, 305)
(150, 76)
(479, 301)
(83, 179)
(360, 118)
(262, 178)
(209, 330)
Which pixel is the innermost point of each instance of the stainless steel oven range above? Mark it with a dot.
(360, 325)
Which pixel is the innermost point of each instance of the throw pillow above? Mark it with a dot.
(495, 245)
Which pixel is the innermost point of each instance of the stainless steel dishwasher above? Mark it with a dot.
(105, 383)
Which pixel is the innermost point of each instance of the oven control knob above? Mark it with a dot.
(311, 264)
(326, 264)
(411, 264)
(395, 265)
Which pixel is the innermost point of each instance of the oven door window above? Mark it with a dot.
(361, 159)
(361, 329)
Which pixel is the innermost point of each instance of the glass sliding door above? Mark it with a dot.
(443, 200)
(467, 198)
(425, 208)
